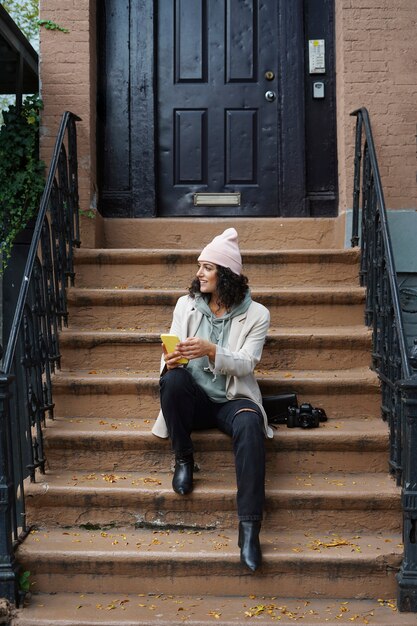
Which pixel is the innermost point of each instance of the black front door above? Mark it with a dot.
(205, 108)
(218, 102)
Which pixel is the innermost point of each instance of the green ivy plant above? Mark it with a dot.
(49, 25)
(21, 171)
(24, 581)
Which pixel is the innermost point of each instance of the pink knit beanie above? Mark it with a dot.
(224, 251)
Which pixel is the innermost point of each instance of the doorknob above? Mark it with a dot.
(270, 96)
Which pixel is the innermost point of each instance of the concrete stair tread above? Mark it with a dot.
(201, 560)
(104, 444)
(292, 348)
(362, 376)
(168, 296)
(214, 545)
(254, 255)
(130, 392)
(166, 267)
(112, 609)
(135, 335)
(256, 232)
(359, 486)
(365, 374)
(335, 434)
(266, 293)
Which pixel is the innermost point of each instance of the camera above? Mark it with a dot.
(305, 416)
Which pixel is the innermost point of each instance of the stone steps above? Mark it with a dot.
(106, 445)
(116, 544)
(168, 561)
(297, 348)
(154, 609)
(150, 310)
(144, 268)
(254, 233)
(340, 501)
(126, 393)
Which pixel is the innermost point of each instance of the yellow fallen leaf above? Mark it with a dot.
(153, 481)
(335, 543)
(110, 478)
(256, 610)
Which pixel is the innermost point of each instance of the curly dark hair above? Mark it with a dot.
(231, 287)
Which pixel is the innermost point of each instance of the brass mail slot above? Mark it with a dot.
(217, 199)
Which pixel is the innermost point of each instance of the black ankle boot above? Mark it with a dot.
(250, 548)
(182, 482)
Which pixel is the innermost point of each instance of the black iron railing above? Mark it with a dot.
(32, 354)
(390, 358)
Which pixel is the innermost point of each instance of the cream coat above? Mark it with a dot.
(237, 361)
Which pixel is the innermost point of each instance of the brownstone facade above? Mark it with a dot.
(68, 82)
(376, 57)
(376, 63)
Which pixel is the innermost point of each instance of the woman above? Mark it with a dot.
(222, 332)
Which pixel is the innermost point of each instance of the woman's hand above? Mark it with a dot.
(195, 347)
(171, 358)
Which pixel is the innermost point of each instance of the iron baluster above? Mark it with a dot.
(407, 577)
(8, 565)
(57, 252)
(19, 452)
(356, 185)
(51, 305)
(73, 179)
(43, 336)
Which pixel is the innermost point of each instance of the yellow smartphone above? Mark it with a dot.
(170, 342)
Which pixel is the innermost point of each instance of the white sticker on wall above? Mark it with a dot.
(316, 56)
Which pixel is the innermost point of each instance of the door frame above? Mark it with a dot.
(143, 103)
(292, 203)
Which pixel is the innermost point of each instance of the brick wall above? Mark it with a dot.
(68, 82)
(376, 49)
(376, 58)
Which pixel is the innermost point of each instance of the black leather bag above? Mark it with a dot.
(276, 407)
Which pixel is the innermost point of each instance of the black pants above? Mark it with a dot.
(186, 407)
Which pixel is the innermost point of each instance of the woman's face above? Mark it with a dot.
(207, 275)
